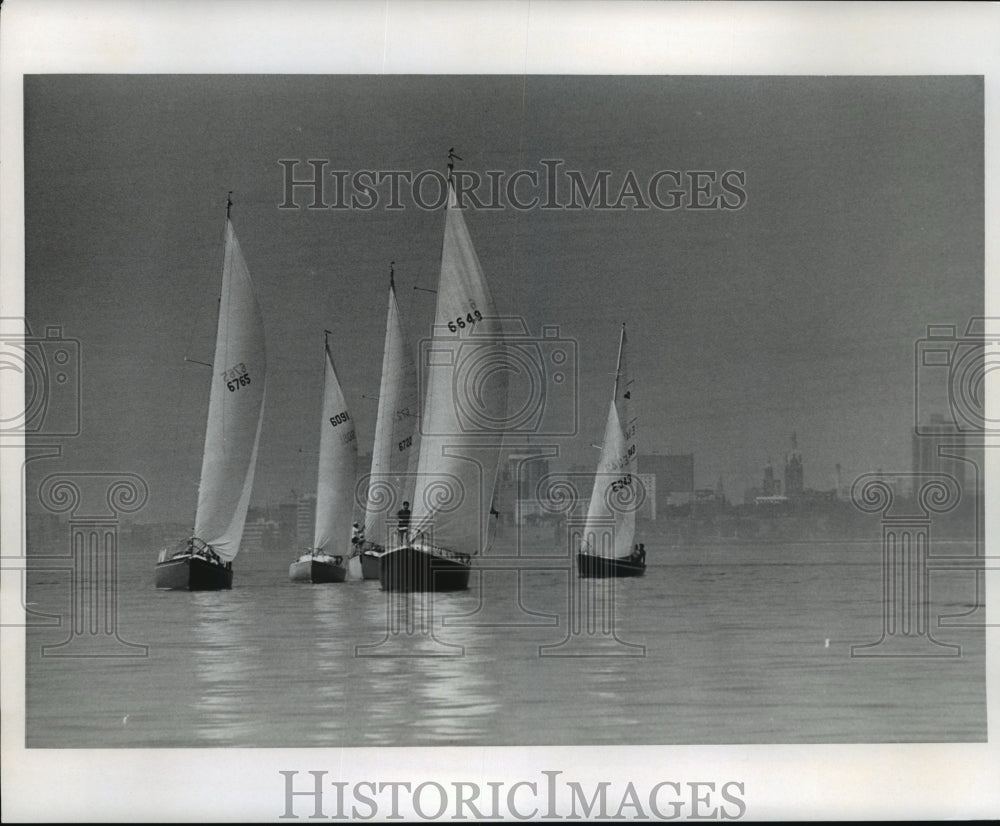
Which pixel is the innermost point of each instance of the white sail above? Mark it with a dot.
(338, 453)
(616, 485)
(466, 401)
(235, 409)
(396, 445)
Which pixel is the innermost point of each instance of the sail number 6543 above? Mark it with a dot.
(621, 484)
(461, 323)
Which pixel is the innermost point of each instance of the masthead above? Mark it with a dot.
(452, 157)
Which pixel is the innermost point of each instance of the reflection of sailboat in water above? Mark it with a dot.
(461, 426)
(326, 561)
(611, 514)
(454, 700)
(235, 412)
(394, 452)
(226, 654)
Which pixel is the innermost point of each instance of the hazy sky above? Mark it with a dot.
(863, 223)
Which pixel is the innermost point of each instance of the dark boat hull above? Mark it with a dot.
(370, 565)
(315, 570)
(602, 567)
(418, 569)
(193, 573)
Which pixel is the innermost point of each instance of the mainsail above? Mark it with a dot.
(338, 452)
(616, 487)
(395, 449)
(235, 409)
(466, 400)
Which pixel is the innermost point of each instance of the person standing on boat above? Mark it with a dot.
(357, 539)
(403, 521)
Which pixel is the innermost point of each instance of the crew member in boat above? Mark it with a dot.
(403, 521)
(357, 534)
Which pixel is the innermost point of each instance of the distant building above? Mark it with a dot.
(288, 524)
(793, 472)
(305, 520)
(934, 447)
(770, 486)
(671, 480)
(647, 510)
(260, 535)
(518, 488)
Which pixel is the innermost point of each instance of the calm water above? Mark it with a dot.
(716, 644)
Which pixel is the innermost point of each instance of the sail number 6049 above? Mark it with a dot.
(461, 323)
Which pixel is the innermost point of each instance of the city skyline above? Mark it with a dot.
(796, 308)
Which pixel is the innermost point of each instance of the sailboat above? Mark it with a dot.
(235, 410)
(395, 449)
(462, 422)
(326, 561)
(606, 545)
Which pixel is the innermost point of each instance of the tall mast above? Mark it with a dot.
(618, 366)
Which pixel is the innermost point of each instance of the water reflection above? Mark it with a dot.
(611, 683)
(459, 703)
(420, 683)
(223, 654)
(735, 652)
(326, 679)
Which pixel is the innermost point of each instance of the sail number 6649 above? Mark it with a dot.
(461, 323)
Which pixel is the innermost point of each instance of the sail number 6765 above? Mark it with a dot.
(236, 377)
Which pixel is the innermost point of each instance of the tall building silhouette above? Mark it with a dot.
(793, 471)
(305, 520)
(933, 445)
(770, 486)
